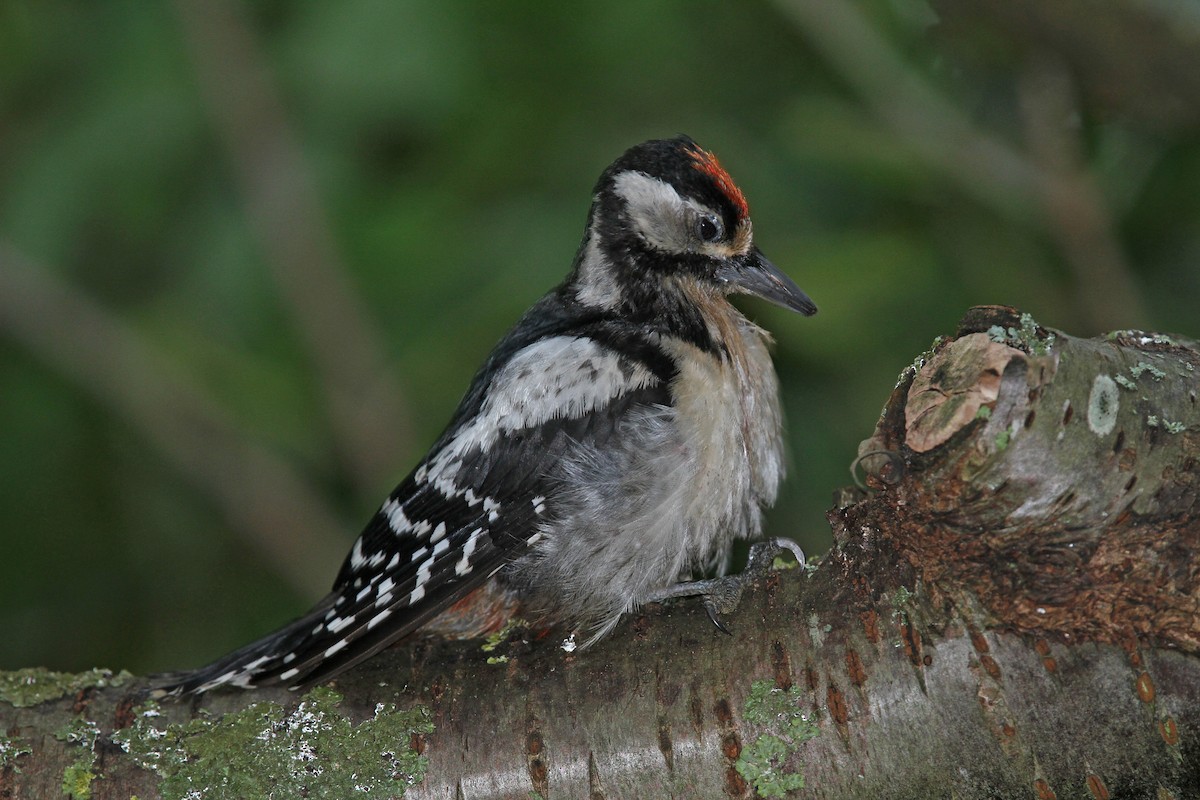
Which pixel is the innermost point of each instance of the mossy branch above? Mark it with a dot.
(1009, 611)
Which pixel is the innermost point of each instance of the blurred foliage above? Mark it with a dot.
(453, 147)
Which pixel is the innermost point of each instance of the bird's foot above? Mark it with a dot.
(722, 595)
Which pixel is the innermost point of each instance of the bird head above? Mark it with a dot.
(667, 209)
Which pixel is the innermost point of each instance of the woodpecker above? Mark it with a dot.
(615, 442)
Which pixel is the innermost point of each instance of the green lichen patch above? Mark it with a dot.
(917, 363)
(263, 751)
(31, 686)
(901, 595)
(779, 563)
(1142, 367)
(79, 731)
(77, 780)
(1154, 421)
(785, 729)
(12, 748)
(1141, 337)
(78, 777)
(922, 358)
(1104, 402)
(496, 638)
(1025, 337)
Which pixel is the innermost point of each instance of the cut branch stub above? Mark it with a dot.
(950, 390)
(1055, 478)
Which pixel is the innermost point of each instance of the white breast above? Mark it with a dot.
(675, 488)
(729, 418)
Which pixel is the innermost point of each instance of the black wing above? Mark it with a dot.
(468, 509)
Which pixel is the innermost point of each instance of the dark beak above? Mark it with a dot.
(755, 275)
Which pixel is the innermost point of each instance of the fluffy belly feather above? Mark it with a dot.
(670, 494)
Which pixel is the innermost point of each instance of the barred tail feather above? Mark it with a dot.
(243, 667)
(305, 652)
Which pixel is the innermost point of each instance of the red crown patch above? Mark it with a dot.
(707, 163)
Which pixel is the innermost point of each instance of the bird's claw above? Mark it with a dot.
(714, 615)
(721, 596)
(762, 555)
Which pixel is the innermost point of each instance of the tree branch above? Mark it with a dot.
(1010, 612)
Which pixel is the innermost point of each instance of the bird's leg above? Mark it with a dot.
(721, 595)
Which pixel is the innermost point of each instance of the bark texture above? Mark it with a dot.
(1010, 610)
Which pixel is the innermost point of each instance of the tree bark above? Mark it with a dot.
(1009, 610)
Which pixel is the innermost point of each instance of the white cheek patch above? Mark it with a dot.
(665, 219)
(597, 280)
(657, 211)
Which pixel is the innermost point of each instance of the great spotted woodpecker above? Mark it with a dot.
(618, 439)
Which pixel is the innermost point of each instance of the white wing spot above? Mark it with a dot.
(464, 564)
(378, 618)
(288, 674)
(336, 647)
(255, 664)
(236, 678)
(356, 555)
(438, 533)
(398, 521)
(447, 487)
(422, 579)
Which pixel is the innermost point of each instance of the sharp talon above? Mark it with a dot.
(722, 595)
(762, 554)
(795, 549)
(715, 616)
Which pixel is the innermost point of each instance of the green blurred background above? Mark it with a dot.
(251, 253)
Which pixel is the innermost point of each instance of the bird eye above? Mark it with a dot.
(708, 228)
